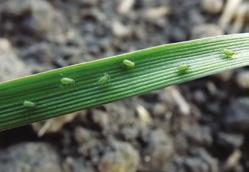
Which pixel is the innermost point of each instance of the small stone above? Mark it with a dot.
(159, 109)
(155, 13)
(200, 97)
(36, 18)
(226, 75)
(88, 2)
(82, 135)
(212, 6)
(149, 3)
(246, 4)
(199, 135)
(130, 133)
(233, 161)
(198, 161)
(125, 6)
(143, 115)
(206, 30)
(160, 150)
(92, 148)
(120, 30)
(123, 159)
(230, 141)
(121, 113)
(77, 165)
(100, 119)
(212, 88)
(240, 18)
(228, 13)
(11, 67)
(196, 165)
(206, 159)
(242, 79)
(35, 157)
(181, 102)
(237, 114)
(53, 125)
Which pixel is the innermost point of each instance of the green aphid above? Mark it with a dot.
(28, 104)
(229, 53)
(129, 64)
(67, 81)
(183, 68)
(104, 79)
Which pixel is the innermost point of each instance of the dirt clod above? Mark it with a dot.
(27, 157)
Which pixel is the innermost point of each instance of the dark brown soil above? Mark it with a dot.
(200, 126)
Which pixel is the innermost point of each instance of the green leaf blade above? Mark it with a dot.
(155, 68)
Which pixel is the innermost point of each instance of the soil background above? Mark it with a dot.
(200, 126)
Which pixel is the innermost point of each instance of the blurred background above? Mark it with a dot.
(200, 126)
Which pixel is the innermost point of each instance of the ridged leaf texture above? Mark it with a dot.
(73, 88)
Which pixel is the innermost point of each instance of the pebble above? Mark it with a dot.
(143, 115)
(160, 150)
(121, 113)
(77, 165)
(41, 21)
(130, 133)
(198, 161)
(206, 30)
(196, 165)
(232, 162)
(82, 135)
(206, 158)
(230, 141)
(27, 157)
(242, 79)
(199, 136)
(181, 102)
(11, 66)
(100, 119)
(120, 30)
(53, 125)
(225, 75)
(149, 3)
(212, 6)
(88, 2)
(200, 97)
(228, 13)
(237, 114)
(125, 6)
(155, 13)
(124, 158)
(92, 148)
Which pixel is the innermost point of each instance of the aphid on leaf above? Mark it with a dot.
(229, 53)
(183, 68)
(28, 104)
(67, 81)
(129, 64)
(104, 79)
